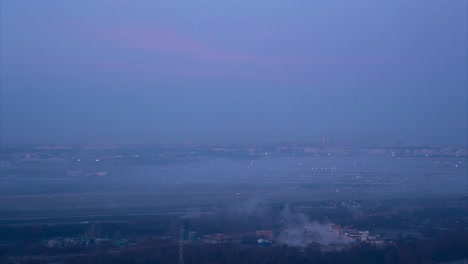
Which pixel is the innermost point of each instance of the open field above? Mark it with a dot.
(69, 190)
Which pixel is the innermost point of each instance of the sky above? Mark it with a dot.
(114, 71)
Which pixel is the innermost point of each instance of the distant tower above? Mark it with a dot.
(181, 252)
(181, 245)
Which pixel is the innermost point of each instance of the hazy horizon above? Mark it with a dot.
(123, 72)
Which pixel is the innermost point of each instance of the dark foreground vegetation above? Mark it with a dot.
(155, 239)
(446, 245)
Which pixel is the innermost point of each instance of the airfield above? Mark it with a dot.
(45, 190)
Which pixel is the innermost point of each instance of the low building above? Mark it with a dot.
(265, 234)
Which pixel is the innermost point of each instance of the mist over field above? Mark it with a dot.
(109, 184)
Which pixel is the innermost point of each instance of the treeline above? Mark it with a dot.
(405, 251)
(440, 244)
(446, 245)
(157, 225)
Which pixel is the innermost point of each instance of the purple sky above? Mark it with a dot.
(85, 71)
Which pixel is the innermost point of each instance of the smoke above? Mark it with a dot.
(298, 231)
(295, 228)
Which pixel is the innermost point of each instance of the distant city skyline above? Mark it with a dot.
(123, 72)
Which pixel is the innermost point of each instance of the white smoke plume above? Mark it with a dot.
(298, 231)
